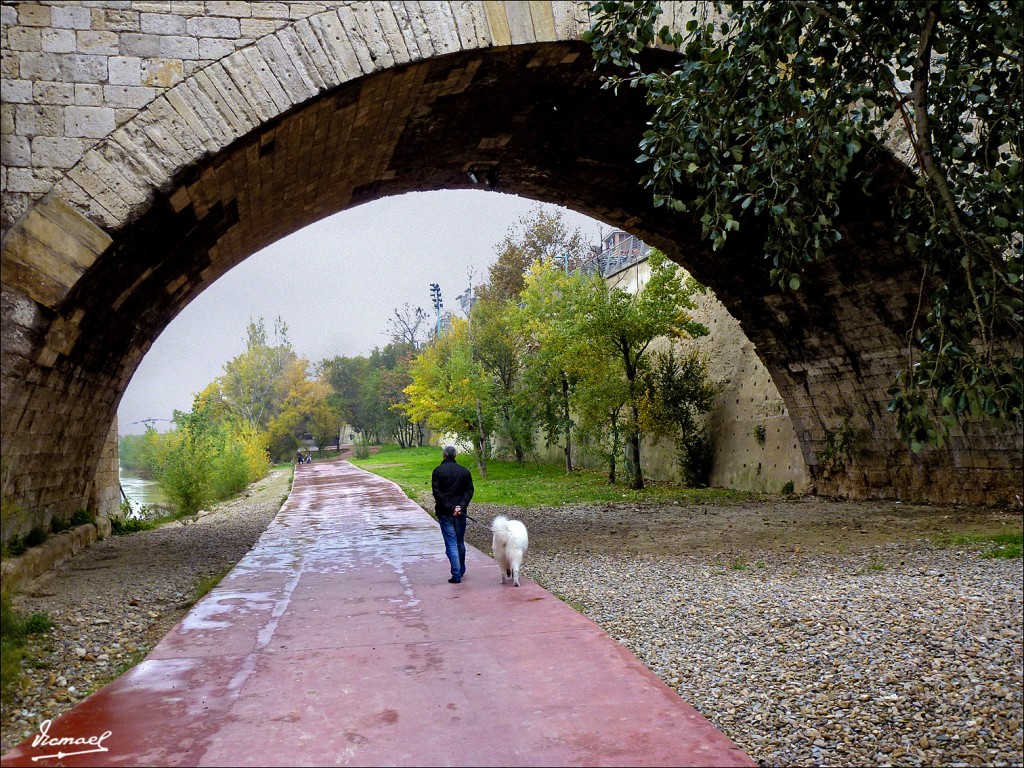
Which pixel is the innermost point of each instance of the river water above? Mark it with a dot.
(140, 491)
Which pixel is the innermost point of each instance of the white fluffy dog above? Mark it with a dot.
(508, 546)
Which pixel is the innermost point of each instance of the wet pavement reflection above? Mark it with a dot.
(337, 640)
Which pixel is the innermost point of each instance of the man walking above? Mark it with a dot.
(452, 485)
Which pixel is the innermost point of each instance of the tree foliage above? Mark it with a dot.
(253, 385)
(450, 391)
(409, 326)
(539, 236)
(621, 325)
(346, 376)
(304, 410)
(767, 116)
(140, 454)
(500, 347)
(678, 390)
(381, 418)
(599, 394)
(557, 358)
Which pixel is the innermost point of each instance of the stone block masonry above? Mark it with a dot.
(149, 147)
(132, 51)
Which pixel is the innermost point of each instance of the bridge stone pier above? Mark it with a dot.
(151, 145)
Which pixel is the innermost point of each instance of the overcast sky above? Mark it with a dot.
(335, 283)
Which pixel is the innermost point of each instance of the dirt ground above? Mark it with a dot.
(781, 524)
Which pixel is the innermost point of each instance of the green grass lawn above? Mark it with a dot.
(529, 484)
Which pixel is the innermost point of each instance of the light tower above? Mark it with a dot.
(435, 296)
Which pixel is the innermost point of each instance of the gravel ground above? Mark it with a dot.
(112, 602)
(791, 628)
(811, 633)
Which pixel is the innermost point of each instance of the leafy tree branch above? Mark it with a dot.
(773, 109)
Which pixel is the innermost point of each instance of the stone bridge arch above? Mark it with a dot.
(187, 135)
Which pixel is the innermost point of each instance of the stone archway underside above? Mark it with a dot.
(83, 299)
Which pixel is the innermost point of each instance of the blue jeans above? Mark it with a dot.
(454, 531)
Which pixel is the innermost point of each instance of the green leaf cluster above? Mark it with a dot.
(569, 358)
(773, 109)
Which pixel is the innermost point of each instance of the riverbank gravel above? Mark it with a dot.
(825, 662)
(898, 654)
(111, 603)
(904, 654)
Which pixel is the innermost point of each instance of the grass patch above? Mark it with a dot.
(135, 658)
(206, 583)
(15, 629)
(123, 527)
(1002, 546)
(529, 484)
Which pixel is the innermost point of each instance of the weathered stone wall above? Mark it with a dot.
(75, 70)
(16, 571)
(106, 490)
(148, 147)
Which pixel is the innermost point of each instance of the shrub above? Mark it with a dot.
(122, 527)
(82, 517)
(35, 537)
(186, 475)
(254, 445)
(230, 472)
(694, 457)
(38, 624)
(760, 434)
(837, 451)
(362, 448)
(14, 546)
(788, 487)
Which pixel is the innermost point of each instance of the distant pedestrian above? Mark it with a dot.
(452, 485)
(298, 457)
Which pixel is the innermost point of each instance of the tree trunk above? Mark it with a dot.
(568, 423)
(634, 455)
(481, 458)
(615, 448)
(637, 483)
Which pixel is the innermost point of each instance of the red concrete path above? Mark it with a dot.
(338, 641)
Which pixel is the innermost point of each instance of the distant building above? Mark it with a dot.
(617, 251)
(466, 300)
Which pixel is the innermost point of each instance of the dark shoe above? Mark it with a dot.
(453, 580)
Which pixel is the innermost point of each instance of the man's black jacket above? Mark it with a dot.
(452, 485)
